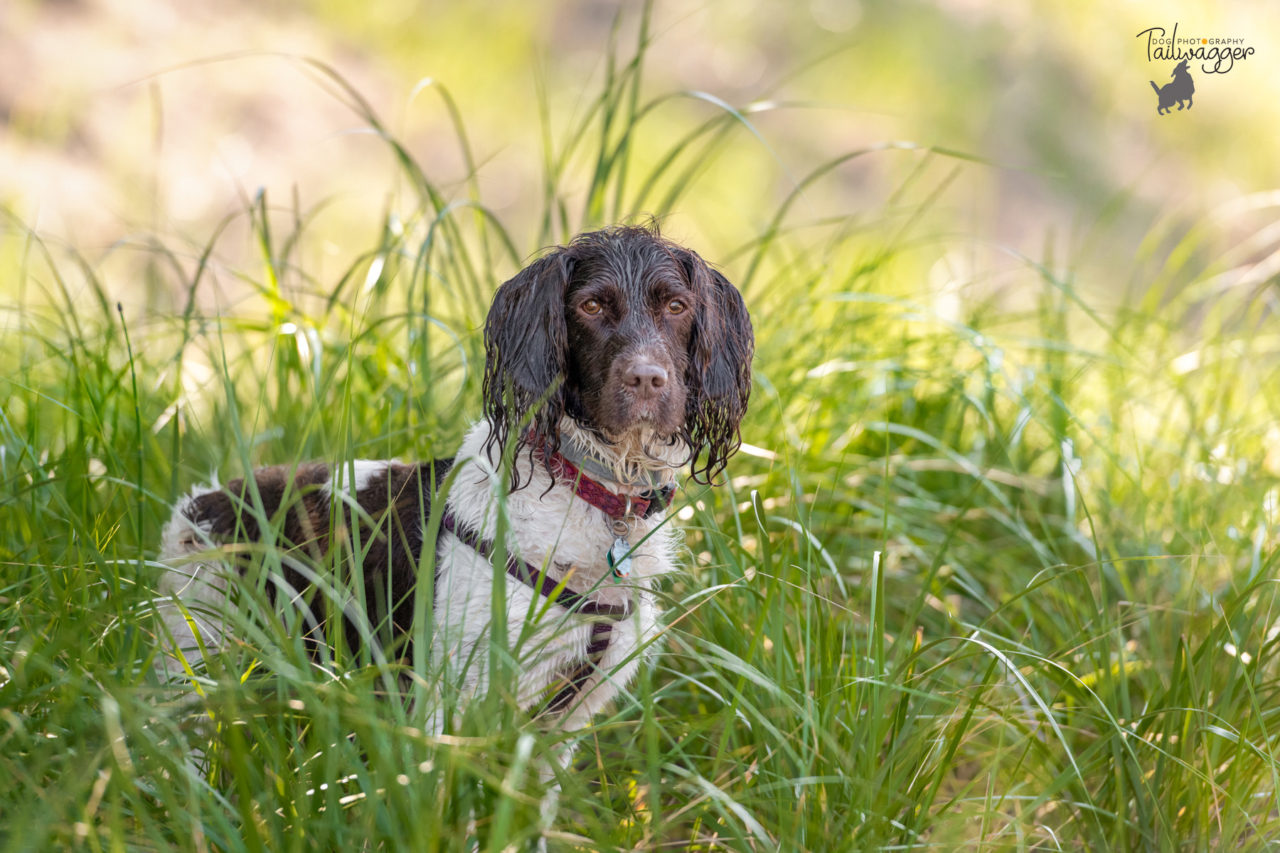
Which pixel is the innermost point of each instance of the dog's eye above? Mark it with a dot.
(677, 306)
(592, 306)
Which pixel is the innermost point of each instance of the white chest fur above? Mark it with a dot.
(552, 530)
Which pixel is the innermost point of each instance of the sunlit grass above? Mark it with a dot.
(988, 576)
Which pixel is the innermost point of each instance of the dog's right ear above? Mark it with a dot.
(526, 346)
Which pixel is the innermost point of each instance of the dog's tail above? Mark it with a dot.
(1154, 86)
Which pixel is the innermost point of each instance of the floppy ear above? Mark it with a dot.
(526, 348)
(719, 380)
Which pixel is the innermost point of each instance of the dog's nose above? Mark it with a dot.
(645, 378)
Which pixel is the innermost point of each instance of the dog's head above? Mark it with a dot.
(629, 335)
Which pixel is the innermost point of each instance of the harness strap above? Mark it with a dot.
(575, 681)
(537, 580)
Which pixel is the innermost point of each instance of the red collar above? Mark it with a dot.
(610, 503)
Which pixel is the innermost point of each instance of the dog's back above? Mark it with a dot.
(367, 517)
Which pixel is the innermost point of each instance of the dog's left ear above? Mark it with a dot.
(719, 380)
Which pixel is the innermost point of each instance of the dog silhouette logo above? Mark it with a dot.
(1181, 89)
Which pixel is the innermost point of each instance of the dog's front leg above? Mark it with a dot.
(561, 757)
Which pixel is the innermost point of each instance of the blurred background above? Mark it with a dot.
(121, 118)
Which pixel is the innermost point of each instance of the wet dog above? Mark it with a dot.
(612, 364)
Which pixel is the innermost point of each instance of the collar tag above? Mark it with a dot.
(619, 557)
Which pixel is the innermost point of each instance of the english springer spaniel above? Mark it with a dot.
(611, 364)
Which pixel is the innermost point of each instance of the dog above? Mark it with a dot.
(612, 363)
(1181, 89)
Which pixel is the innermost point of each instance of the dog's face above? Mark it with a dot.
(1181, 67)
(624, 332)
(629, 318)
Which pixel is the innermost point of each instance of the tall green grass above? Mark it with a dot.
(992, 573)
